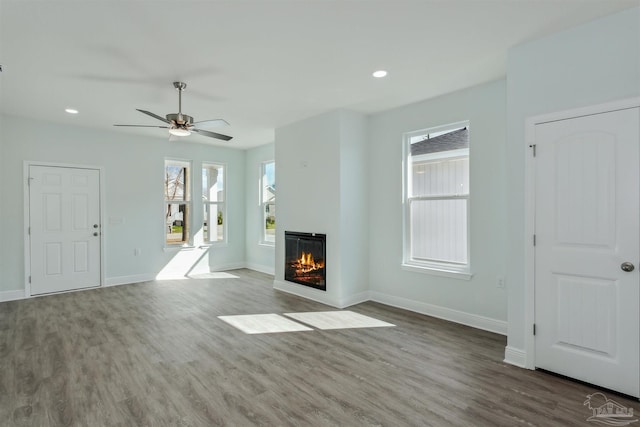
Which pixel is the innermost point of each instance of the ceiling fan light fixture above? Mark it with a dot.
(179, 131)
(379, 74)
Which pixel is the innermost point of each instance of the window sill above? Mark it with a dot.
(267, 244)
(442, 272)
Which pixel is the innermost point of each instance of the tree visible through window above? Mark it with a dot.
(437, 197)
(177, 201)
(268, 201)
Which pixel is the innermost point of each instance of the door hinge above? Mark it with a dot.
(533, 147)
(29, 231)
(534, 329)
(534, 240)
(29, 279)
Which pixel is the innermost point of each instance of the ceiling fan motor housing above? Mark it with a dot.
(186, 120)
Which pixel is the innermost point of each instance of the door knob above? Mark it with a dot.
(95, 225)
(627, 266)
(96, 233)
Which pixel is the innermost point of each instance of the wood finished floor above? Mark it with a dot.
(155, 354)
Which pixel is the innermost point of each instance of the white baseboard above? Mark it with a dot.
(305, 292)
(515, 356)
(266, 269)
(229, 266)
(320, 296)
(473, 320)
(12, 295)
(125, 280)
(355, 299)
(137, 278)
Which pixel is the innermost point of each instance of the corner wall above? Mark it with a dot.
(353, 208)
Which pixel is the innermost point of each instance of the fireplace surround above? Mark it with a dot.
(304, 260)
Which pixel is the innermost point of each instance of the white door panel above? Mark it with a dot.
(587, 223)
(64, 219)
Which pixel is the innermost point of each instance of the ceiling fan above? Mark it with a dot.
(181, 124)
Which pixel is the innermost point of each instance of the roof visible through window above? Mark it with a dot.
(452, 139)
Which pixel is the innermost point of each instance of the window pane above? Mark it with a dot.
(213, 222)
(206, 221)
(270, 222)
(439, 162)
(440, 177)
(174, 182)
(268, 201)
(176, 216)
(213, 183)
(439, 230)
(268, 182)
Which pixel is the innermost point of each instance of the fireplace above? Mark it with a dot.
(304, 259)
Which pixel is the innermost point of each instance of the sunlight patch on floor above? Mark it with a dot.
(344, 319)
(324, 320)
(263, 323)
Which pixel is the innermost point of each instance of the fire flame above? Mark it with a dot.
(306, 262)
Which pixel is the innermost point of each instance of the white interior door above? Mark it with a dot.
(64, 220)
(587, 225)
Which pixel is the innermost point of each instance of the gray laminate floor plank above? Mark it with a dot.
(156, 354)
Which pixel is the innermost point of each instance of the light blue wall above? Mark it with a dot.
(590, 64)
(354, 206)
(478, 301)
(133, 174)
(260, 257)
(3, 224)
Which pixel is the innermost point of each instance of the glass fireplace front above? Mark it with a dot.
(304, 260)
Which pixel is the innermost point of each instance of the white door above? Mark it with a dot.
(587, 226)
(64, 220)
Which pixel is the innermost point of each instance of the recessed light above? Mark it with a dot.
(71, 110)
(379, 74)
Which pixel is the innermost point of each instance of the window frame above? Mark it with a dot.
(262, 204)
(207, 205)
(435, 267)
(187, 201)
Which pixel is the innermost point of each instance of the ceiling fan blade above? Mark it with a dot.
(212, 134)
(155, 116)
(211, 123)
(143, 126)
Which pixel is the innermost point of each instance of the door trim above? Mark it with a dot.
(27, 239)
(529, 226)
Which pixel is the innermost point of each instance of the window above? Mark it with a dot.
(268, 202)
(436, 179)
(213, 199)
(177, 202)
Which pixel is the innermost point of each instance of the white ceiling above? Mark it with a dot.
(259, 64)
